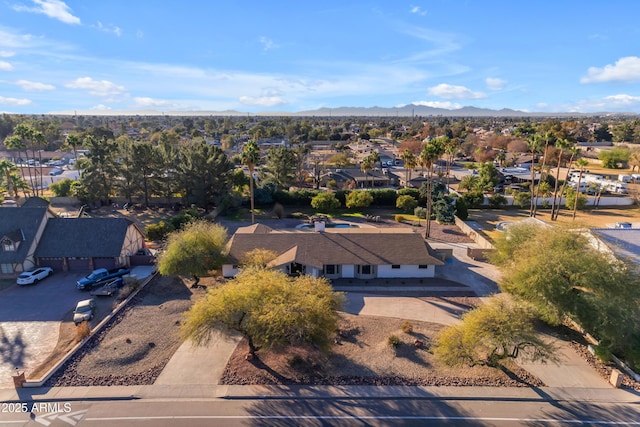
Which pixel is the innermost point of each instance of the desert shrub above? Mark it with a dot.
(413, 192)
(522, 199)
(278, 210)
(497, 201)
(325, 202)
(394, 341)
(158, 231)
(420, 212)
(406, 203)
(359, 199)
(400, 218)
(385, 197)
(461, 209)
(184, 217)
(83, 330)
(62, 188)
(407, 327)
(332, 183)
(473, 199)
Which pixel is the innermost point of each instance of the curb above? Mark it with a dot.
(40, 382)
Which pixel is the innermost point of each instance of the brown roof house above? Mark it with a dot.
(358, 253)
(20, 231)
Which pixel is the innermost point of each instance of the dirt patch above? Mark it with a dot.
(362, 355)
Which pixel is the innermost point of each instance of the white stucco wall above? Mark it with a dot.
(405, 271)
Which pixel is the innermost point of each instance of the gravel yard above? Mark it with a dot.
(138, 342)
(363, 356)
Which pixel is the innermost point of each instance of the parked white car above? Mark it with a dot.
(31, 277)
(84, 311)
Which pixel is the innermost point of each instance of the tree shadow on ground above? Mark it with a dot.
(13, 350)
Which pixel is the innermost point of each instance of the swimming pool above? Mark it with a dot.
(311, 226)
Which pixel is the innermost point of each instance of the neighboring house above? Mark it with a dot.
(356, 178)
(363, 253)
(80, 244)
(622, 243)
(20, 231)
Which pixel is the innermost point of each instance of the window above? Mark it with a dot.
(396, 266)
(8, 245)
(6, 268)
(423, 266)
(366, 269)
(330, 269)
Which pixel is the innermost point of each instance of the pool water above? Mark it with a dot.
(306, 226)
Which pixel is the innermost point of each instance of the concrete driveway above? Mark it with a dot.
(30, 319)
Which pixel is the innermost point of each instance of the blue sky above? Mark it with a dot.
(258, 56)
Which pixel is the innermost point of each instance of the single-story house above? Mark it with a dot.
(20, 232)
(77, 244)
(358, 253)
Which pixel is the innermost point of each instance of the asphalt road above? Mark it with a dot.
(30, 320)
(452, 411)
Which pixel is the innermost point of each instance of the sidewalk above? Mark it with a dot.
(214, 392)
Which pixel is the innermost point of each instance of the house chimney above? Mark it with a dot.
(319, 226)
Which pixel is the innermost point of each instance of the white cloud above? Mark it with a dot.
(5, 66)
(14, 101)
(100, 107)
(6, 54)
(142, 101)
(263, 101)
(108, 28)
(418, 11)
(96, 87)
(625, 69)
(448, 91)
(34, 86)
(55, 9)
(267, 43)
(439, 104)
(495, 83)
(613, 103)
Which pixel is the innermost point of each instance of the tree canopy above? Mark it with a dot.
(500, 329)
(269, 308)
(195, 250)
(562, 274)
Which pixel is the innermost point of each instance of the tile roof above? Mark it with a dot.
(83, 237)
(23, 222)
(338, 246)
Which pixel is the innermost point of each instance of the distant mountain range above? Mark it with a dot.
(409, 110)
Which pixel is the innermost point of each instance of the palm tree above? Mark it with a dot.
(375, 158)
(250, 158)
(582, 164)
(410, 162)
(561, 145)
(14, 142)
(534, 143)
(366, 166)
(7, 168)
(73, 141)
(574, 152)
(547, 138)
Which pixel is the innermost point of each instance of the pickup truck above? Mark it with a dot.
(99, 276)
